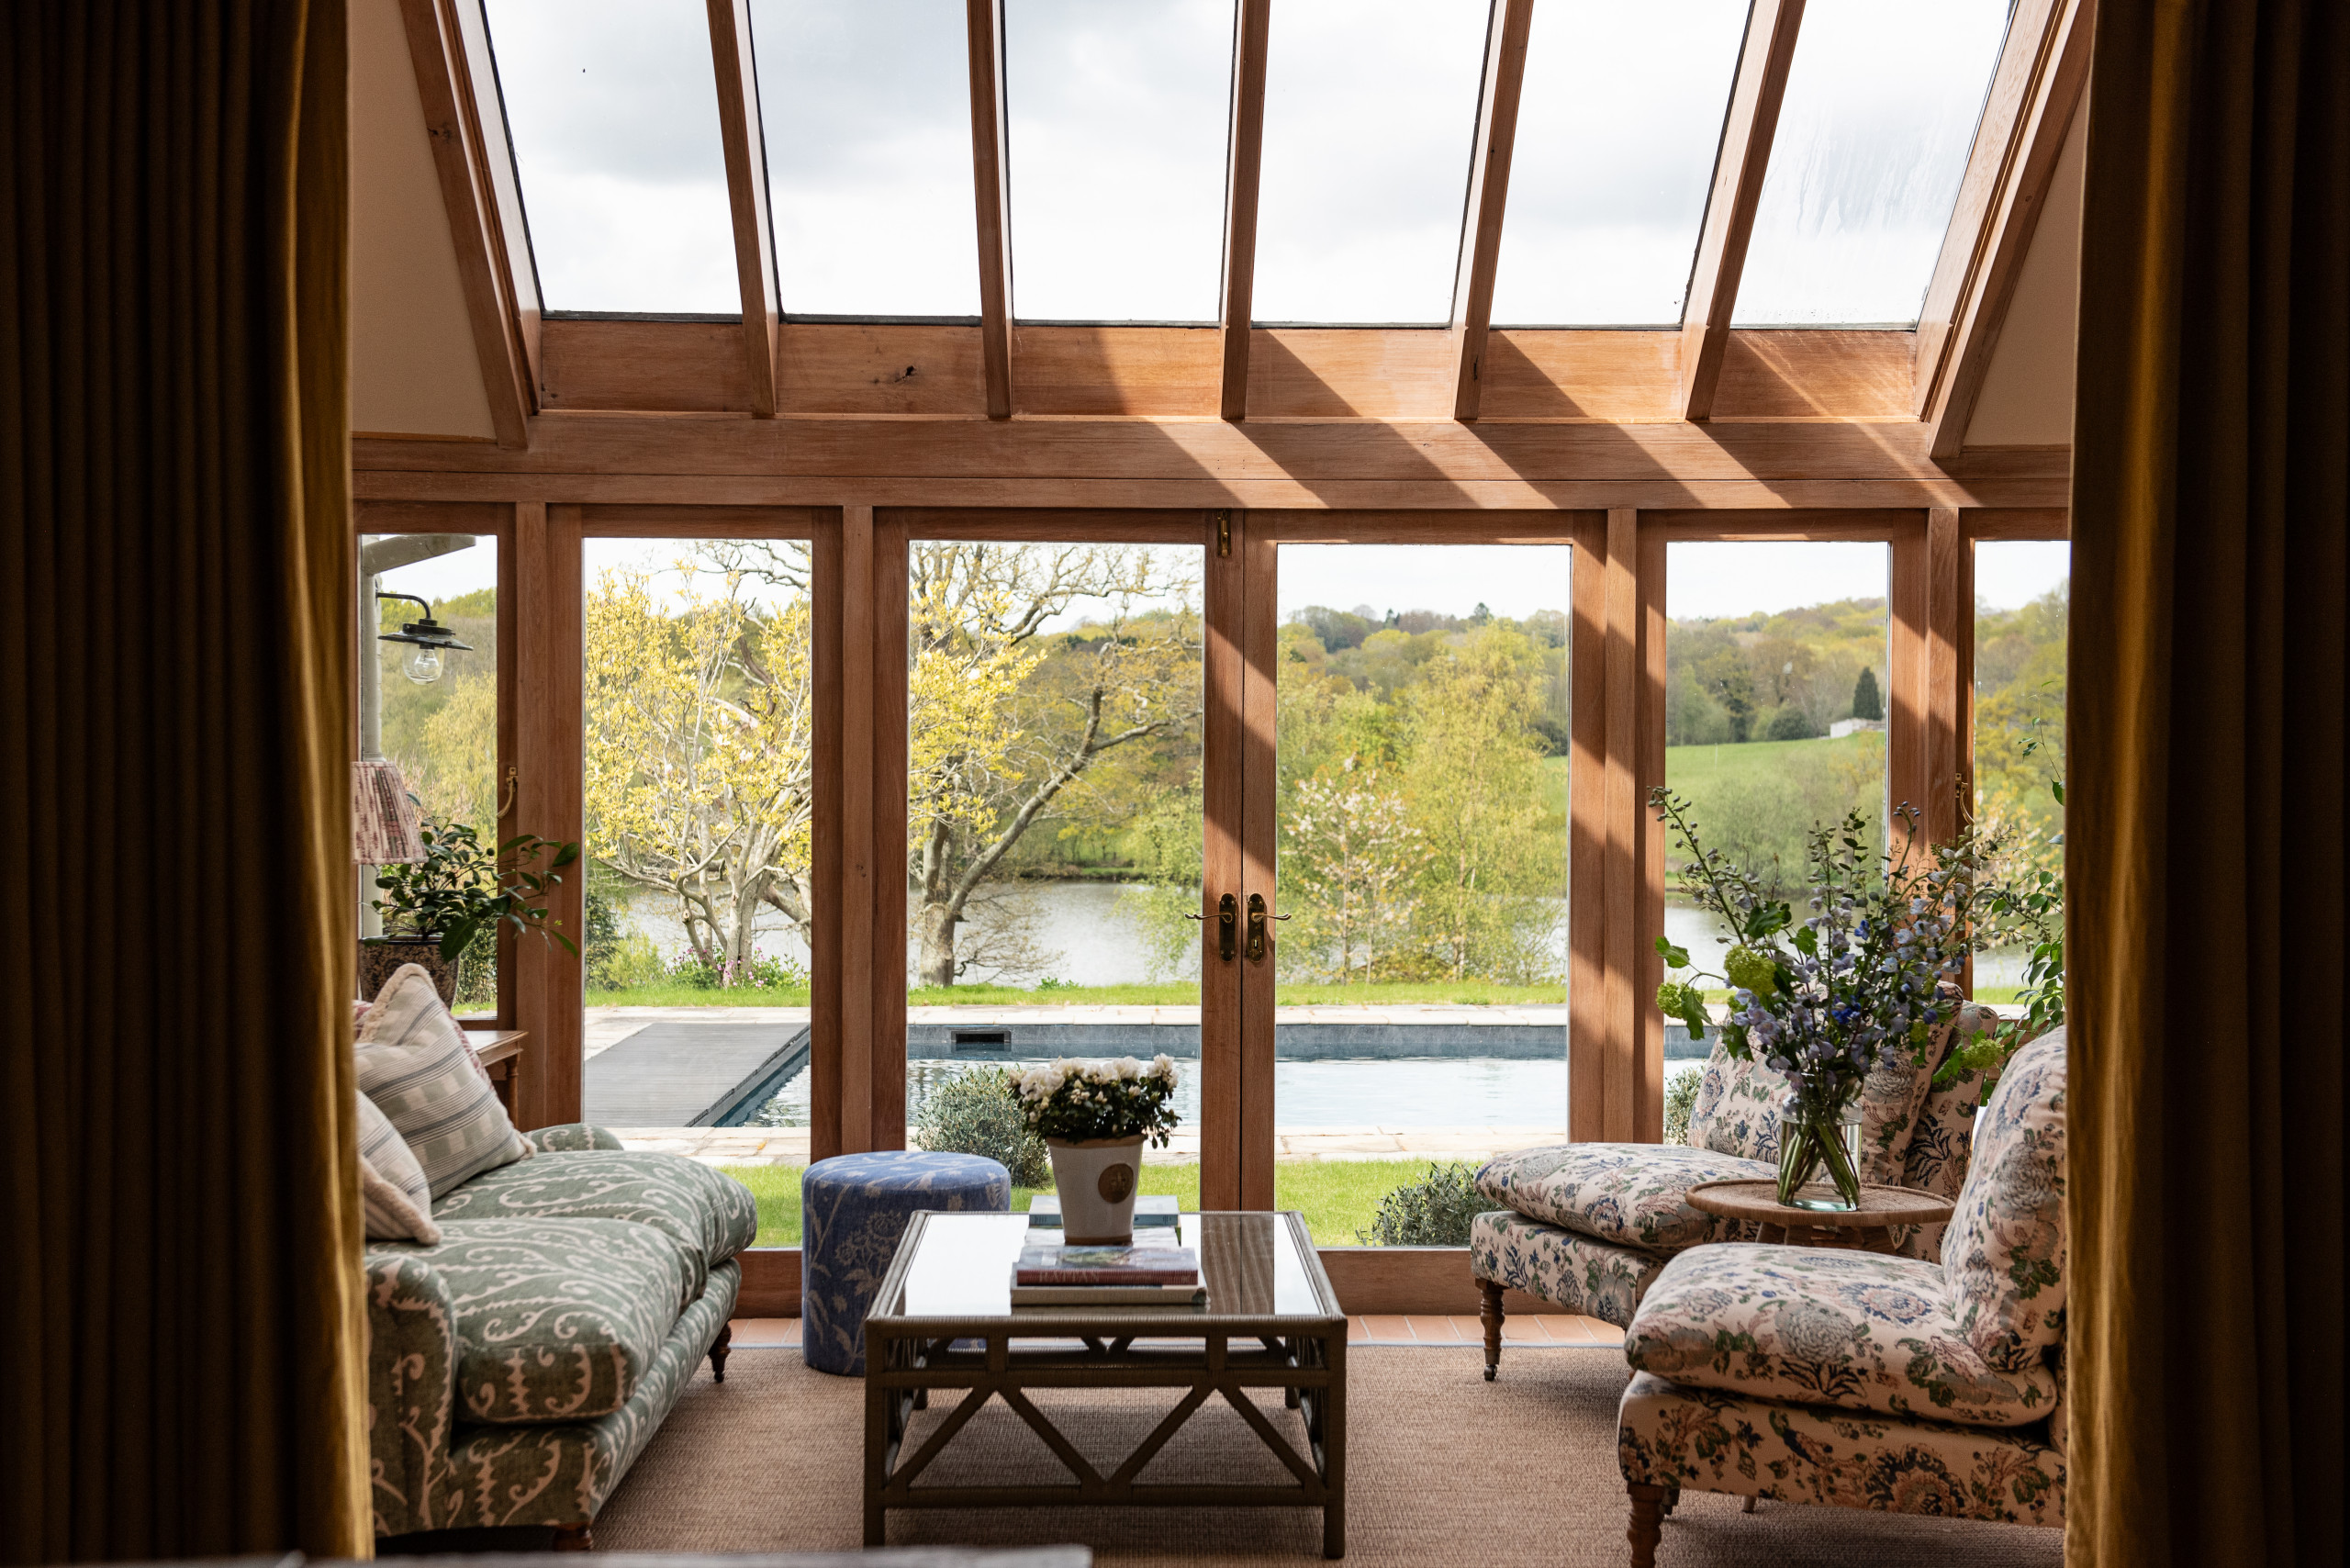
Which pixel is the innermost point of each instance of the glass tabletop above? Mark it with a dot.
(961, 1267)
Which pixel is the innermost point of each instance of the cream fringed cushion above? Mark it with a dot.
(397, 1198)
(415, 1065)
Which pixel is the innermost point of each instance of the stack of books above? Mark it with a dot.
(1152, 1272)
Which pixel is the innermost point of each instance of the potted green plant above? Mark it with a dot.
(1094, 1117)
(1822, 1001)
(434, 908)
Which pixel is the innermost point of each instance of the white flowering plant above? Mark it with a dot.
(1862, 978)
(1077, 1101)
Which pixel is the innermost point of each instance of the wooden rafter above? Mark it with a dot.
(1745, 156)
(2041, 78)
(746, 196)
(1245, 154)
(448, 45)
(1481, 228)
(991, 159)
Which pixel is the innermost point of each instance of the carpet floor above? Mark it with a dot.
(1444, 1469)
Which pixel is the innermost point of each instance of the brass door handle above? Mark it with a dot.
(1227, 924)
(1256, 918)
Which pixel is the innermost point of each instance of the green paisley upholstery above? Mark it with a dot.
(566, 1137)
(429, 1472)
(1574, 1272)
(1714, 1440)
(710, 1216)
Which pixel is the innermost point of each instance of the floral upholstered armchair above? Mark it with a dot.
(1588, 1225)
(1862, 1381)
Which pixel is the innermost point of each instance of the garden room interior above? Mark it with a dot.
(1473, 600)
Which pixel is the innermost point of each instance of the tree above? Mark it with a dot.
(1006, 718)
(1349, 862)
(699, 739)
(1867, 702)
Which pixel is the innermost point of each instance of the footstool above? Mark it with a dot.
(854, 1209)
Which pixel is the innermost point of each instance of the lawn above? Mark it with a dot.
(1468, 993)
(1337, 1196)
(1692, 769)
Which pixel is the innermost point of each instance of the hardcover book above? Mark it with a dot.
(1109, 1296)
(1049, 1263)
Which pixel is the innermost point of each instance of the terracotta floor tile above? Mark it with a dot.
(1434, 1330)
(1388, 1329)
(1527, 1330)
(1358, 1330)
(763, 1333)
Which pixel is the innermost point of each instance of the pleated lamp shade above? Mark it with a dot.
(385, 831)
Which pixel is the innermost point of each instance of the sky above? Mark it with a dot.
(1118, 115)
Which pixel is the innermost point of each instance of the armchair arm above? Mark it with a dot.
(570, 1136)
(412, 1385)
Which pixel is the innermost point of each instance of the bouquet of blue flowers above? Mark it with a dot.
(1824, 998)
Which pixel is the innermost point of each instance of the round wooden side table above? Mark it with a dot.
(1868, 1229)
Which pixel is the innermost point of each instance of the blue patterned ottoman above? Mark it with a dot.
(854, 1209)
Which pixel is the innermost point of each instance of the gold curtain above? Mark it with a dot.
(180, 1332)
(2206, 863)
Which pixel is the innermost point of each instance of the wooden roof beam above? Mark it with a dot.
(990, 157)
(1245, 157)
(1745, 156)
(449, 46)
(2041, 82)
(1481, 225)
(747, 197)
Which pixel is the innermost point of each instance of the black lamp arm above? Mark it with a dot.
(412, 599)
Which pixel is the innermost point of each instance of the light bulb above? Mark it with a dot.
(422, 665)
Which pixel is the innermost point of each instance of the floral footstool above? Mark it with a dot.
(1861, 1380)
(853, 1211)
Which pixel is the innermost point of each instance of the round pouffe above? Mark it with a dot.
(854, 1209)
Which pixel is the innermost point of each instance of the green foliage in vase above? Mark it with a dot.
(462, 887)
(1435, 1211)
(979, 1113)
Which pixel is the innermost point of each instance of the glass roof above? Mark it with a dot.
(613, 114)
(1371, 108)
(1881, 108)
(867, 110)
(1118, 121)
(1608, 240)
(1119, 118)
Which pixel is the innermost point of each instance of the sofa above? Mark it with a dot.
(518, 1368)
(1861, 1381)
(1588, 1227)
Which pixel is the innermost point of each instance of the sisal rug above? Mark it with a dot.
(1444, 1471)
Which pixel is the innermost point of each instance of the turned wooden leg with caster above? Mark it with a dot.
(574, 1538)
(1648, 1523)
(718, 1351)
(1492, 1315)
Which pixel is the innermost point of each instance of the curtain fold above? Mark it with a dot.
(2205, 857)
(178, 1161)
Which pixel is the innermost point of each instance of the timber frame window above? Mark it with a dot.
(863, 435)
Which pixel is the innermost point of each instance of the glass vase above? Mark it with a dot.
(1815, 1142)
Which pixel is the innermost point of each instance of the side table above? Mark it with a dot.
(1868, 1229)
(499, 1051)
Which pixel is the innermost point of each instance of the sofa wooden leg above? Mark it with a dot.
(1648, 1523)
(718, 1351)
(1492, 1315)
(1747, 1507)
(574, 1538)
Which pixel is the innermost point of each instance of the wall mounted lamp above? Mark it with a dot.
(427, 639)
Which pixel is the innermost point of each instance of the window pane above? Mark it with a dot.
(1119, 120)
(1052, 858)
(867, 110)
(1421, 842)
(613, 112)
(1616, 130)
(434, 712)
(1371, 108)
(1881, 107)
(2022, 603)
(1775, 702)
(700, 854)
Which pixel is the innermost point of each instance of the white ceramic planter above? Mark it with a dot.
(1097, 1179)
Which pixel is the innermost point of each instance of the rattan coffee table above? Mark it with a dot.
(1868, 1229)
(942, 1319)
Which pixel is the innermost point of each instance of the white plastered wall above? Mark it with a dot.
(413, 369)
(2027, 396)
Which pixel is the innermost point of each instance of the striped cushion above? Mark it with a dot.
(398, 1198)
(415, 1065)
